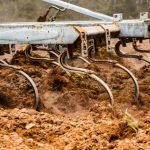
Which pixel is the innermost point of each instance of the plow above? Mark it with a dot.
(64, 41)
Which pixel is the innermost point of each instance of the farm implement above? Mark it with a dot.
(65, 40)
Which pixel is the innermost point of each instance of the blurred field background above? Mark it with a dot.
(29, 10)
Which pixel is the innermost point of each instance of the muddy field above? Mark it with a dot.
(74, 112)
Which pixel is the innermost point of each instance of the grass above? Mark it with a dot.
(130, 121)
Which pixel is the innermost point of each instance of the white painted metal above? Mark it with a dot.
(80, 10)
(48, 33)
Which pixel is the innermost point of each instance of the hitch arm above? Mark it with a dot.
(80, 10)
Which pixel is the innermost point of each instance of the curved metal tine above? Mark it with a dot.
(120, 53)
(28, 55)
(61, 59)
(90, 73)
(55, 48)
(106, 87)
(57, 64)
(137, 92)
(77, 55)
(135, 46)
(54, 53)
(32, 83)
(146, 60)
(136, 85)
(93, 76)
(36, 93)
(5, 64)
(83, 59)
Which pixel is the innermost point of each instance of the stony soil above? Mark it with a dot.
(74, 112)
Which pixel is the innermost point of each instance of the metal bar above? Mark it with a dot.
(47, 33)
(134, 28)
(56, 24)
(80, 10)
(65, 33)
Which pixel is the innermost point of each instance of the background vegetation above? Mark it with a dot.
(29, 10)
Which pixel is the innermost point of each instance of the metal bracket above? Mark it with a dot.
(12, 49)
(108, 38)
(84, 41)
(144, 15)
(92, 44)
(118, 17)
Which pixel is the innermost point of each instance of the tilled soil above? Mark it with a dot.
(74, 111)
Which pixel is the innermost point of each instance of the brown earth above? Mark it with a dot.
(74, 112)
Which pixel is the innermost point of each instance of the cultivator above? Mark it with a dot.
(66, 40)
